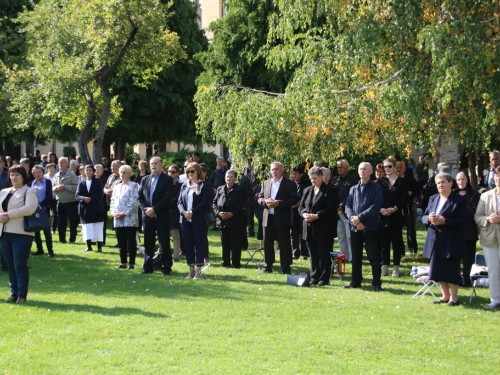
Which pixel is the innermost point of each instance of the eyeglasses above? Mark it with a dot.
(172, 171)
(191, 171)
(388, 166)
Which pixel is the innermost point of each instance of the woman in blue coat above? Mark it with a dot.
(193, 204)
(445, 217)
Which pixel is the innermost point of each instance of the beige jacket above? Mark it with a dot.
(17, 209)
(486, 206)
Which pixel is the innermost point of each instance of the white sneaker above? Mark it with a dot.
(385, 270)
(492, 306)
(395, 272)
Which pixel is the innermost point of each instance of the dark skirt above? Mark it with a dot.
(446, 270)
(89, 216)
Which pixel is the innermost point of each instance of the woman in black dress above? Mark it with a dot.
(89, 195)
(470, 228)
(445, 217)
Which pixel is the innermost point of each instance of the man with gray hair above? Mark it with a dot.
(343, 182)
(64, 187)
(362, 208)
(277, 197)
(218, 176)
(487, 182)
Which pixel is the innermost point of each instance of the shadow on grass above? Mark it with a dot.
(94, 309)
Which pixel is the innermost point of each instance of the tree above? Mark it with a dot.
(371, 76)
(75, 47)
(164, 111)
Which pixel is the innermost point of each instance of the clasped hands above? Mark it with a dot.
(494, 218)
(387, 211)
(310, 217)
(188, 214)
(150, 212)
(119, 215)
(436, 220)
(225, 215)
(357, 223)
(272, 203)
(87, 199)
(4, 217)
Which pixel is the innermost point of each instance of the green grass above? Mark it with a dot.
(85, 317)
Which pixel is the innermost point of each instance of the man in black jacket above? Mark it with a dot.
(155, 194)
(277, 196)
(409, 212)
(362, 208)
(486, 182)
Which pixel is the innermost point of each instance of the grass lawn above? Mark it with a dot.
(85, 317)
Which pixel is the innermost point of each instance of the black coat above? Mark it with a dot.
(4, 179)
(470, 228)
(174, 210)
(446, 241)
(287, 195)
(325, 204)
(92, 212)
(201, 202)
(162, 196)
(229, 200)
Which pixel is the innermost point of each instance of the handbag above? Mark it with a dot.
(210, 217)
(298, 280)
(39, 220)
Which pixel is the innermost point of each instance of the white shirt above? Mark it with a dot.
(440, 205)
(89, 184)
(274, 190)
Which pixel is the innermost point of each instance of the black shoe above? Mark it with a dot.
(453, 303)
(62, 241)
(313, 282)
(165, 272)
(377, 288)
(99, 250)
(144, 272)
(51, 255)
(440, 301)
(267, 270)
(304, 258)
(88, 249)
(131, 267)
(287, 271)
(322, 283)
(72, 242)
(237, 266)
(39, 252)
(121, 266)
(351, 286)
(225, 265)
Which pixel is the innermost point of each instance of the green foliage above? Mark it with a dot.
(164, 111)
(69, 151)
(368, 77)
(178, 158)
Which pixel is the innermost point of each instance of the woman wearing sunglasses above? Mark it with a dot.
(391, 219)
(193, 204)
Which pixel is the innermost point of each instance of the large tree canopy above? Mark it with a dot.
(75, 47)
(164, 111)
(368, 76)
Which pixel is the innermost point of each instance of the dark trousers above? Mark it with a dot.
(16, 251)
(321, 262)
(411, 230)
(282, 235)
(469, 260)
(127, 241)
(393, 233)
(194, 239)
(250, 225)
(48, 238)
(231, 243)
(299, 245)
(67, 212)
(153, 228)
(105, 228)
(371, 241)
(53, 208)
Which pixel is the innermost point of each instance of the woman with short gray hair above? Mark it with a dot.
(228, 207)
(318, 207)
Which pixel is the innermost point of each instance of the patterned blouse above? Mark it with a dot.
(124, 200)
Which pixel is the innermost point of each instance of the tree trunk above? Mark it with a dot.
(103, 122)
(84, 136)
(472, 168)
(120, 148)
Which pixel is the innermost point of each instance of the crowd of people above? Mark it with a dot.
(301, 216)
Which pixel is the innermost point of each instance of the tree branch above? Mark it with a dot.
(345, 91)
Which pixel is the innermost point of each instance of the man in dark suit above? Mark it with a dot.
(486, 182)
(362, 208)
(155, 194)
(277, 196)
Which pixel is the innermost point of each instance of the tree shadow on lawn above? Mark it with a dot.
(94, 309)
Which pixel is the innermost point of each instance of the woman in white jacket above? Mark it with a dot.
(123, 207)
(488, 218)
